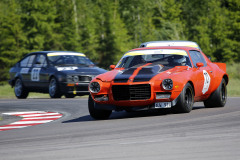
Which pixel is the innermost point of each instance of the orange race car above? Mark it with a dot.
(158, 77)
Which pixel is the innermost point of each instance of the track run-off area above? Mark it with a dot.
(204, 133)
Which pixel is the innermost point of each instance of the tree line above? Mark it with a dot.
(105, 29)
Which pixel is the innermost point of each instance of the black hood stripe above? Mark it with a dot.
(124, 75)
(146, 73)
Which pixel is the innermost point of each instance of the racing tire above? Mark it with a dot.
(69, 95)
(97, 114)
(20, 91)
(218, 98)
(53, 88)
(185, 100)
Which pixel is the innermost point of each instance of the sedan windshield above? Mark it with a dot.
(165, 57)
(69, 59)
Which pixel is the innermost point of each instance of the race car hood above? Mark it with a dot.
(72, 70)
(140, 73)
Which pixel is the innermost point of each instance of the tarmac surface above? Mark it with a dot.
(204, 133)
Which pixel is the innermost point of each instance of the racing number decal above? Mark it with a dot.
(207, 80)
(35, 74)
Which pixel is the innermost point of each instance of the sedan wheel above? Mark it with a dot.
(54, 89)
(19, 90)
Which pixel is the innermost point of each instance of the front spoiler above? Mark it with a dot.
(132, 108)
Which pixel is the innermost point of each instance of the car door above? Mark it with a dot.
(203, 75)
(39, 73)
(25, 71)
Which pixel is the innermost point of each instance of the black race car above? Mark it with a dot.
(55, 72)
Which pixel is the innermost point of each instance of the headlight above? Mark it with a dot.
(167, 84)
(75, 79)
(94, 87)
(69, 78)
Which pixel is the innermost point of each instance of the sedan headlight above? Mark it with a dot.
(69, 78)
(94, 87)
(167, 84)
(75, 78)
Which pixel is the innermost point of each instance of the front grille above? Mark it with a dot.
(85, 78)
(131, 92)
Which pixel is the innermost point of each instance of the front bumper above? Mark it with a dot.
(80, 88)
(132, 108)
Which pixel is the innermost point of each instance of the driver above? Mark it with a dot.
(178, 60)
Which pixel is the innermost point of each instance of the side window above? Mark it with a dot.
(30, 62)
(197, 57)
(24, 62)
(40, 61)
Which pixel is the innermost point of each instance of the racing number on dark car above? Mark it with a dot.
(35, 74)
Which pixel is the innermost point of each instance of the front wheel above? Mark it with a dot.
(19, 90)
(97, 113)
(185, 100)
(54, 90)
(218, 97)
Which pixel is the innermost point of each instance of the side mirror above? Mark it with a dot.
(112, 67)
(200, 64)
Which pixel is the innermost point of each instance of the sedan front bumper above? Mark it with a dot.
(74, 88)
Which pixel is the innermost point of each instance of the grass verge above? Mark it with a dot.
(6, 92)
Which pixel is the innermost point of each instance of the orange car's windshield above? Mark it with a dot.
(171, 59)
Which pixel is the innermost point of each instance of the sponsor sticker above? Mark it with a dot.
(207, 81)
(66, 68)
(35, 74)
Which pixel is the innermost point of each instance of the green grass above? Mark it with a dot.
(6, 92)
(234, 87)
(233, 70)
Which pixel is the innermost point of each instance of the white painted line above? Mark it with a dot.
(43, 114)
(30, 118)
(13, 113)
(31, 122)
(12, 127)
(43, 117)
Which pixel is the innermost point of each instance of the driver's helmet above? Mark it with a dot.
(179, 60)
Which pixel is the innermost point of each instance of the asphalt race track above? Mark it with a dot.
(203, 134)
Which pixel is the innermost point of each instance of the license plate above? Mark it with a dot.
(163, 105)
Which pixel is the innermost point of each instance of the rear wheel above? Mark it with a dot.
(97, 113)
(185, 100)
(20, 91)
(54, 91)
(218, 97)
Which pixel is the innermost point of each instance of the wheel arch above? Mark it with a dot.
(17, 76)
(225, 77)
(191, 83)
(50, 77)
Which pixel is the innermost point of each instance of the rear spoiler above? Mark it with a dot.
(222, 66)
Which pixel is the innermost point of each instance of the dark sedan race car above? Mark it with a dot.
(55, 72)
(159, 77)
